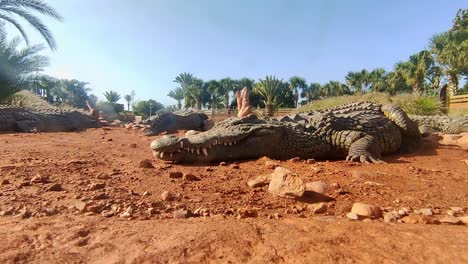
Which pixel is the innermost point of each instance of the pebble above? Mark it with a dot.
(175, 174)
(97, 186)
(40, 179)
(317, 186)
(318, 208)
(246, 212)
(190, 177)
(391, 217)
(456, 209)
(270, 164)
(235, 166)
(425, 211)
(419, 219)
(5, 182)
(464, 219)
(102, 176)
(285, 183)
(146, 164)
(310, 161)
(132, 145)
(366, 210)
(167, 196)
(222, 163)
(450, 220)
(352, 216)
(259, 181)
(295, 159)
(56, 187)
(181, 214)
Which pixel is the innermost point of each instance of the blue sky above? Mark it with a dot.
(143, 45)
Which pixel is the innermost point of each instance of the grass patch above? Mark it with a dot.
(412, 104)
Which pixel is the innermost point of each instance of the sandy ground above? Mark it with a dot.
(84, 198)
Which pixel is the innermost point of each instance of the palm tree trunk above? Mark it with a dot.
(226, 103)
(128, 106)
(296, 97)
(269, 109)
(416, 88)
(179, 105)
(213, 106)
(198, 103)
(452, 85)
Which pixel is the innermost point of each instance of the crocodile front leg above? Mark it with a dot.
(366, 150)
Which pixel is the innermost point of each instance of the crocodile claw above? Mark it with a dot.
(364, 158)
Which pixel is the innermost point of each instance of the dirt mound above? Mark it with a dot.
(92, 197)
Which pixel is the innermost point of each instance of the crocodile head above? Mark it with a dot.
(231, 139)
(163, 122)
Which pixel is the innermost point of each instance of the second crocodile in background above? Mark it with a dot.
(180, 120)
(358, 132)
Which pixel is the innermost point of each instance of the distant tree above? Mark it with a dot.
(227, 85)
(112, 96)
(296, 83)
(18, 67)
(185, 80)
(377, 80)
(148, 107)
(269, 88)
(214, 87)
(334, 88)
(178, 95)
(74, 93)
(92, 99)
(312, 92)
(358, 82)
(128, 98)
(195, 90)
(21, 8)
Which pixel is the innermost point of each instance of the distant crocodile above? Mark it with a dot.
(441, 123)
(358, 132)
(180, 120)
(17, 119)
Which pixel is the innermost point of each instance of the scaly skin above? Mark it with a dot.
(171, 122)
(358, 132)
(447, 124)
(16, 119)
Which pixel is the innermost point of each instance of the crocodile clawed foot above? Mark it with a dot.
(364, 158)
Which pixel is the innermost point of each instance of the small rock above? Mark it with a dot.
(456, 210)
(391, 217)
(465, 161)
(310, 161)
(40, 179)
(222, 163)
(270, 164)
(167, 196)
(107, 213)
(109, 139)
(55, 187)
(451, 220)
(426, 211)
(317, 186)
(319, 208)
(132, 145)
(419, 219)
(190, 177)
(146, 193)
(259, 181)
(208, 169)
(175, 174)
(81, 206)
(5, 182)
(366, 210)
(246, 212)
(100, 196)
(285, 183)
(96, 186)
(352, 216)
(181, 214)
(146, 164)
(295, 159)
(464, 219)
(102, 176)
(235, 166)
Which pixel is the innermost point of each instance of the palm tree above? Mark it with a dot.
(358, 82)
(10, 9)
(74, 93)
(178, 95)
(227, 85)
(185, 80)
(214, 87)
(312, 92)
(245, 82)
(334, 88)
(377, 80)
(17, 67)
(452, 55)
(112, 97)
(296, 82)
(195, 90)
(128, 98)
(415, 69)
(269, 88)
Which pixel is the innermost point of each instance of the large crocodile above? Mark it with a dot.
(441, 123)
(17, 119)
(181, 120)
(358, 132)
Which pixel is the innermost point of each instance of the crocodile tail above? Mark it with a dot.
(411, 137)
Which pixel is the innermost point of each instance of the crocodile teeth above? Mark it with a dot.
(198, 151)
(192, 150)
(171, 154)
(205, 152)
(230, 143)
(225, 144)
(181, 144)
(161, 155)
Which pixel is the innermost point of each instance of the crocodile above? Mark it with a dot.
(357, 132)
(172, 121)
(441, 123)
(18, 119)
